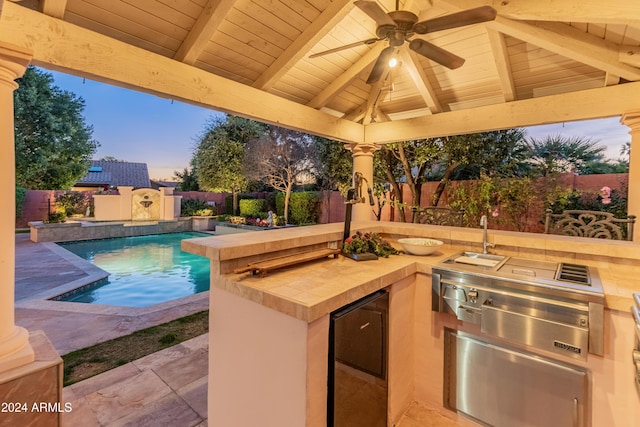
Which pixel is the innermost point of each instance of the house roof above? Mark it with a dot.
(168, 184)
(538, 62)
(116, 174)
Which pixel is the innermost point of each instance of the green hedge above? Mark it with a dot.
(195, 207)
(252, 207)
(21, 194)
(303, 207)
(228, 202)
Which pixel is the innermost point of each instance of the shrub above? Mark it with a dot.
(303, 207)
(73, 202)
(21, 194)
(228, 202)
(280, 204)
(195, 207)
(56, 217)
(252, 207)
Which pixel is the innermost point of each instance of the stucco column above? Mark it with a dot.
(363, 163)
(632, 119)
(15, 349)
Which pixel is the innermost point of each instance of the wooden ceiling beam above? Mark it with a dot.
(336, 86)
(569, 42)
(589, 104)
(68, 48)
(54, 8)
(377, 92)
(629, 55)
(499, 49)
(203, 29)
(328, 19)
(410, 61)
(611, 79)
(588, 11)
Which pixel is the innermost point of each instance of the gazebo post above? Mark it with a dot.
(363, 163)
(30, 368)
(632, 119)
(15, 349)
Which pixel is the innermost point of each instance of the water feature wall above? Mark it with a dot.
(143, 204)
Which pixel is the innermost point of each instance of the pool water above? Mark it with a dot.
(144, 270)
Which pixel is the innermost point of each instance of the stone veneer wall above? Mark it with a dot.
(31, 394)
(70, 231)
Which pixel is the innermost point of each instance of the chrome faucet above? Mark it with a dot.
(485, 243)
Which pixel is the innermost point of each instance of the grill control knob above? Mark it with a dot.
(473, 295)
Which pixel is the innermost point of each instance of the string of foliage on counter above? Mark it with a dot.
(361, 243)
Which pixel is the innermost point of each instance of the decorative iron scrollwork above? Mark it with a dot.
(594, 224)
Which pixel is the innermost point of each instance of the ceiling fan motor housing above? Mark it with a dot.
(403, 28)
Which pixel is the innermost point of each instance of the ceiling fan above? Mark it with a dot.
(399, 26)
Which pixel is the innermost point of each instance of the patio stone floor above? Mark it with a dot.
(167, 388)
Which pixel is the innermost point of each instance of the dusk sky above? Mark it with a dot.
(137, 127)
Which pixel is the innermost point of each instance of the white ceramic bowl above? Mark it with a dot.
(419, 245)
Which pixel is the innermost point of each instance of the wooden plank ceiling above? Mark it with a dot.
(532, 49)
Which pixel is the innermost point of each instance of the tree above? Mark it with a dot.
(495, 153)
(281, 158)
(54, 146)
(557, 153)
(417, 161)
(333, 164)
(625, 150)
(187, 180)
(219, 156)
(596, 167)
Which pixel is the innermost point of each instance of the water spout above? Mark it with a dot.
(485, 244)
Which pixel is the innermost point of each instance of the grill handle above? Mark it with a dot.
(578, 307)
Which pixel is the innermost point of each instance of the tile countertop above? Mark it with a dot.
(313, 289)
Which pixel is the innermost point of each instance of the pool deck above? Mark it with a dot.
(44, 270)
(159, 389)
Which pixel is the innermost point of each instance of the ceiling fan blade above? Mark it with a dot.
(376, 13)
(346, 46)
(454, 20)
(381, 65)
(437, 54)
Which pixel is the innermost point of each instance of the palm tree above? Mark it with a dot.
(557, 153)
(625, 150)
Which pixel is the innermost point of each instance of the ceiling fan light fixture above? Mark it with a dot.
(399, 26)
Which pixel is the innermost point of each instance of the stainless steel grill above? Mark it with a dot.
(558, 307)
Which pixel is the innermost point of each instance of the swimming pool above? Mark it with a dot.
(144, 270)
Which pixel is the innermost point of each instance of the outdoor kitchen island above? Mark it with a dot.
(269, 341)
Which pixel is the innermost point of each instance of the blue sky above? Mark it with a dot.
(137, 127)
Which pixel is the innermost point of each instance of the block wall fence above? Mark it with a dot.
(332, 207)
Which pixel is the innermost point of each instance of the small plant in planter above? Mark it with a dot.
(361, 243)
(56, 218)
(237, 220)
